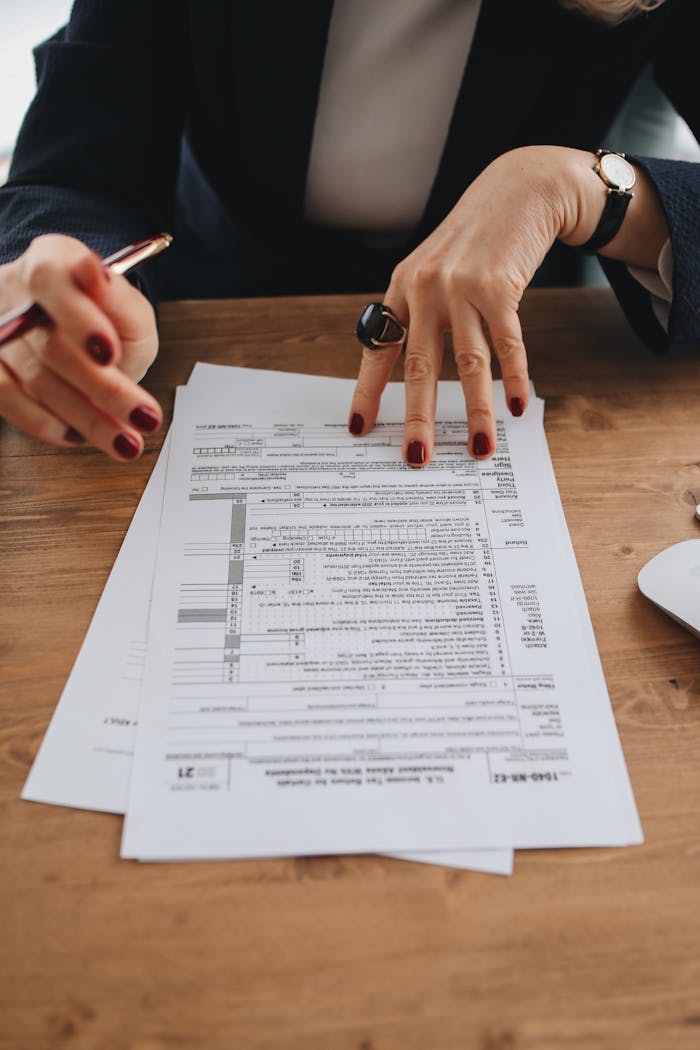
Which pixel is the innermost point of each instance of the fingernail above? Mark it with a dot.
(356, 423)
(74, 436)
(99, 349)
(481, 445)
(145, 419)
(127, 446)
(516, 406)
(415, 453)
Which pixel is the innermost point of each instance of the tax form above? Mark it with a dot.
(346, 655)
(85, 757)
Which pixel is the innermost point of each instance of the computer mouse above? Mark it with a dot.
(671, 580)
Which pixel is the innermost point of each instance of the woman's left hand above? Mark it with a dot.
(468, 278)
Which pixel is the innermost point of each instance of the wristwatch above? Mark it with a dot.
(618, 175)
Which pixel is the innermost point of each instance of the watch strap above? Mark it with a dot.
(616, 204)
(615, 208)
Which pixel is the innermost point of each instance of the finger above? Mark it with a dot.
(473, 358)
(421, 369)
(375, 369)
(47, 390)
(128, 309)
(105, 386)
(32, 418)
(507, 341)
(83, 346)
(50, 282)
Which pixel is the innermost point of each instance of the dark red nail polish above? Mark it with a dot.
(356, 424)
(99, 349)
(127, 446)
(516, 406)
(481, 445)
(74, 436)
(145, 419)
(415, 453)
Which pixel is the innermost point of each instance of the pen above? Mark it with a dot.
(31, 315)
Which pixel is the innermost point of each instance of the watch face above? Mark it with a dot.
(617, 172)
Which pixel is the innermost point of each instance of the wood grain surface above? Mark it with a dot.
(579, 950)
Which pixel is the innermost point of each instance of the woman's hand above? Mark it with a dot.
(468, 277)
(77, 380)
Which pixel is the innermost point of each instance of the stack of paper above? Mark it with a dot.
(342, 654)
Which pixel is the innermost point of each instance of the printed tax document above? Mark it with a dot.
(347, 655)
(85, 757)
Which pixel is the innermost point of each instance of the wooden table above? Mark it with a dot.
(586, 949)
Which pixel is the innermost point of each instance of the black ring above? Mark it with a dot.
(378, 326)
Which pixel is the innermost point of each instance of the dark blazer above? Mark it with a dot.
(198, 116)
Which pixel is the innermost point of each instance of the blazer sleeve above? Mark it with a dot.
(678, 186)
(97, 155)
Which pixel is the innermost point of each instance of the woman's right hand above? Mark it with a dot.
(76, 380)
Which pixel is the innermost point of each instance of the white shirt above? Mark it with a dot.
(391, 76)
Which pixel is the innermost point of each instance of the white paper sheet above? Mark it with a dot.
(346, 655)
(85, 757)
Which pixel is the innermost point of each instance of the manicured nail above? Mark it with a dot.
(99, 349)
(127, 446)
(415, 453)
(145, 419)
(356, 424)
(481, 445)
(74, 436)
(516, 406)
